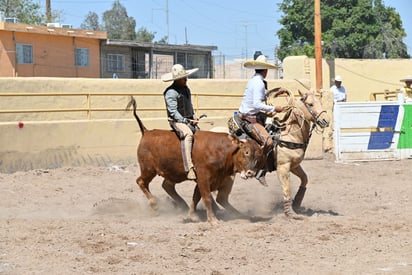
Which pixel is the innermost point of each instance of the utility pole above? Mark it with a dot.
(318, 46)
(276, 62)
(48, 11)
(245, 25)
(167, 20)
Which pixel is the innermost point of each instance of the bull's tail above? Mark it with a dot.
(132, 102)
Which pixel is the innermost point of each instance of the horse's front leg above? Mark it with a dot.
(283, 173)
(297, 201)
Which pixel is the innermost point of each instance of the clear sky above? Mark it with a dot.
(234, 26)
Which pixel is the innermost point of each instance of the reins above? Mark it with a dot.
(282, 123)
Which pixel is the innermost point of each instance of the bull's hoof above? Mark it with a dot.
(191, 220)
(191, 217)
(153, 204)
(214, 222)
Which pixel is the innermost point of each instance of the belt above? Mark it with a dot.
(245, 116)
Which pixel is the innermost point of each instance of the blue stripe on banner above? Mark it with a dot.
(387, 119)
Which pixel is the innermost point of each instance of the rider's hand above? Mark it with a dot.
(278, 109)
(194, 121)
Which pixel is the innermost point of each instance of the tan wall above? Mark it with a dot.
(110, 137)
(47, 140)
(361, 77)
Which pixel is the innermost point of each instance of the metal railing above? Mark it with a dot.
(89, 109)
(386, 95)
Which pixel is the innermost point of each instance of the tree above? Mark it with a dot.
(143, 35)
(26, 11)
(163, 40)
(91, 22)
(350, 29)
(118, 24)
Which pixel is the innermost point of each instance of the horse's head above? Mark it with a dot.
(313, 110)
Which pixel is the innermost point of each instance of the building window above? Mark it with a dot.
(24, 54)
(115, 62)
(82, 57)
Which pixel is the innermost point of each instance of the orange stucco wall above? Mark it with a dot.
(7, 54)
(53, 51)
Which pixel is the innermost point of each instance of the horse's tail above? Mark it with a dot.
(132, 102)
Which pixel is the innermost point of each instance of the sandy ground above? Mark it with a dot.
(357, 220)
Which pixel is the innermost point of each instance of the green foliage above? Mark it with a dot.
(163, 40)
(350, 29)
(91, 22)
(26, 11)
(118, 24)
(143, 35)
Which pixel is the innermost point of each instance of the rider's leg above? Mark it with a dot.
(186, 147)
(262, 137)
(191, 175)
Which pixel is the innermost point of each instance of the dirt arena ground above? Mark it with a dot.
(90, 220)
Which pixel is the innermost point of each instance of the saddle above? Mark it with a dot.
(240, 128)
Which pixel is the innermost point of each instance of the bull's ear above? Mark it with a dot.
(234, 139)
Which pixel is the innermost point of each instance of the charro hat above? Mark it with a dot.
(260, 63)
(408, 78)
(338, 78)
(178, 71)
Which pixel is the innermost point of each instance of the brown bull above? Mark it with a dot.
(216, 156)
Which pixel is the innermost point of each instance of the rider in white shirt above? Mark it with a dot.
(254, 110)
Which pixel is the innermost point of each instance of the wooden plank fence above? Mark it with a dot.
(372, 130)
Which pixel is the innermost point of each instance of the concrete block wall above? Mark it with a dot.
(45, 140)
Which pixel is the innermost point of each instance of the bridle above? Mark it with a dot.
(321, 123)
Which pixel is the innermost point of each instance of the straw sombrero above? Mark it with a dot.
(260, 63)
(178, 71)
(407, 78)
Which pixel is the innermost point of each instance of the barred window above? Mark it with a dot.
(24, 53)
(81, 57)
(115, 62)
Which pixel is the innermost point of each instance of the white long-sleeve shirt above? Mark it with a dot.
(339, 94)
(254, 97)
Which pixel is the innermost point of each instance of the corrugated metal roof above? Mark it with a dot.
(20, 27)
(157, 46)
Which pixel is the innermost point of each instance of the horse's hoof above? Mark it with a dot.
(289, 211)
(294, 216)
